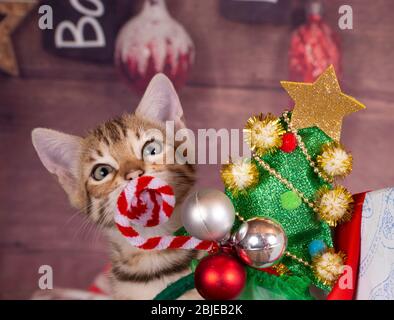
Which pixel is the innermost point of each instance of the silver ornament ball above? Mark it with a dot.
(260, 242)
(208, 214)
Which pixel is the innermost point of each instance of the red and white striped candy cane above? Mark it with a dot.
(148, 202)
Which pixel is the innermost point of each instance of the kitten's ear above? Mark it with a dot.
(60, 155)
(160, 102)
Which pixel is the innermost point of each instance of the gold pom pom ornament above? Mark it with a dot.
(334, 206)
(328, 266)
(264, 133)
(240, 175)
(334, 161)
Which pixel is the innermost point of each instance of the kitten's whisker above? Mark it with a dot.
(87, 226)
(80, 211)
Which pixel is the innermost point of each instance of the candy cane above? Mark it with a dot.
(148, 202)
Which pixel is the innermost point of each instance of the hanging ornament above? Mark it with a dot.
(148, 202)
(220, 277)
(334, 206)
(260, 242)
(240, 175)
(264, 133)
(328, 266)
(208, 214)
(314, 46)
(334, 161)
(154, 42)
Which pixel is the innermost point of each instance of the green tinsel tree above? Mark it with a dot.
(289, 179)
(271, 198)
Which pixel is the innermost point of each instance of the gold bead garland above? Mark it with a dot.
(264, 135)
(339, 194)
(281, 269)
(327, 266)
(286, 182)
(304, 150)
(241, 218)
(299, 260)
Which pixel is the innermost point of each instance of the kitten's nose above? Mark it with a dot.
(134, 174)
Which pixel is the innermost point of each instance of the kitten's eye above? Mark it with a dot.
(100, 171)
(151, 148)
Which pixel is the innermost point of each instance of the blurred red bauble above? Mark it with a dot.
(153, 42)
(314, 47)
(289, 142)
(220, 277)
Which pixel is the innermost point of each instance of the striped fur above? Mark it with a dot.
(118, 142)
(137, 274)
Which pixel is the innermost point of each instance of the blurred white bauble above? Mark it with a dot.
(153, 42)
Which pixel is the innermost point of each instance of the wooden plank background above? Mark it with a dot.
(237, 73)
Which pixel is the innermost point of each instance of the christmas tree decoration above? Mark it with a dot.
(277, 282)
(287, 209)
(321, 104)
(208, 215)
(313, 47)
(289, 142)
(293, 189)
(329, 266)
(316, 247)
(14, 12)
(148, 202)
(260, 242)
(290, 200)
(286, 183)
(335, 206)
(220, 277)
(154, 42)
(334, 161)
(303, 148)
(240, 175)
(264, 133)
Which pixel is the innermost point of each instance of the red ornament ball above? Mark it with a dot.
(220, 277)
(289, 142)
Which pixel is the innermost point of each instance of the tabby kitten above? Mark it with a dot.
(94, 170)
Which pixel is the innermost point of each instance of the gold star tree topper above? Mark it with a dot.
(321, 104)
(11, 15)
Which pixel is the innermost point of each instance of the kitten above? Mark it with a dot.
(94, 170)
